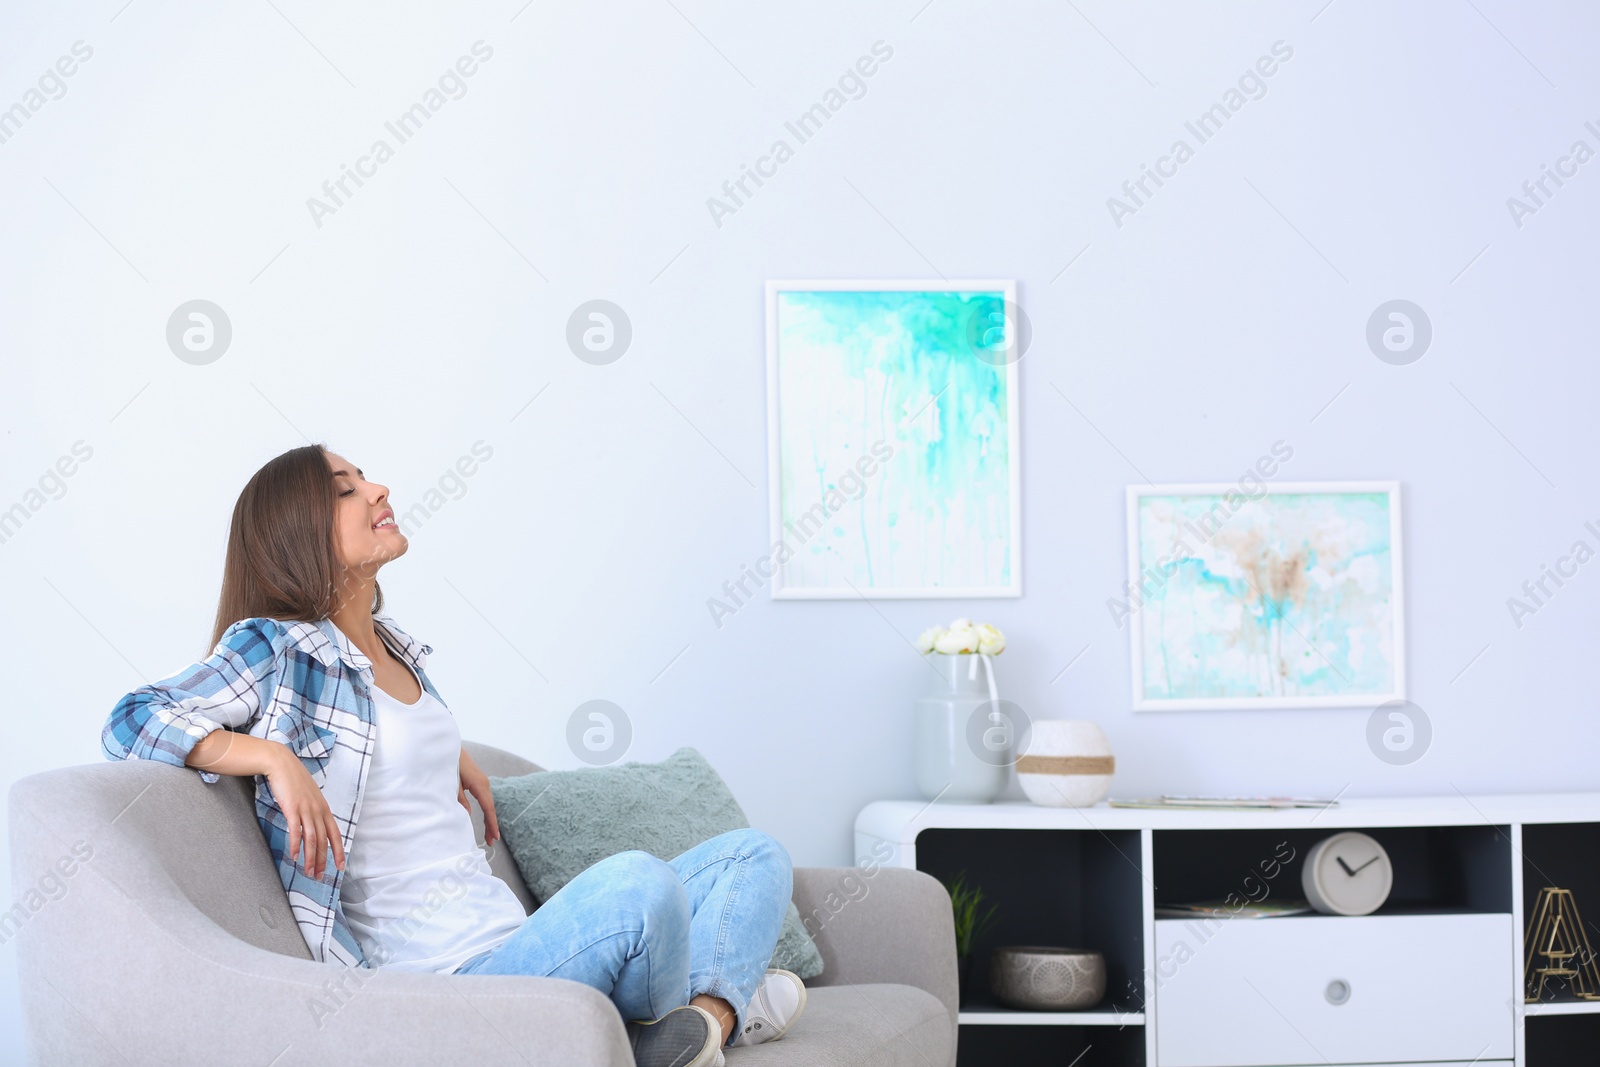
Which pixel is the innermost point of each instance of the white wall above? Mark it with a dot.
(1223, 316)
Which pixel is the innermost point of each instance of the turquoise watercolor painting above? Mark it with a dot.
(893, 440)
(1241, 597)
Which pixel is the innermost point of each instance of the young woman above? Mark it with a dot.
(327, 704)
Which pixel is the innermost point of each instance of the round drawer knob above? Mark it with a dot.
(1338, 991)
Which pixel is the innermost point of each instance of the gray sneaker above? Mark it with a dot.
(684, 1037)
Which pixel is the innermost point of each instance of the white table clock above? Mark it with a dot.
(1347, 874)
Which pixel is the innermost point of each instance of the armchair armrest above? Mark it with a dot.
(175, 987)
(880, 924)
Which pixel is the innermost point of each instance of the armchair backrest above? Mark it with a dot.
(164, 838)
(159, 835)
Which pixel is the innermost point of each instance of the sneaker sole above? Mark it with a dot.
(684, 1037)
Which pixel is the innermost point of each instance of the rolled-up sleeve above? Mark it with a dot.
(164, 720)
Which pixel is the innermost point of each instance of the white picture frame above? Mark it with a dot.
(1363, 696)
(784, 583)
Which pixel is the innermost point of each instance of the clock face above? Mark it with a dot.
(1347, 874)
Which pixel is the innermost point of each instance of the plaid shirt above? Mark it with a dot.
(301, 684)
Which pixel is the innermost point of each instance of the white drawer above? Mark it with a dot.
(1255, 992)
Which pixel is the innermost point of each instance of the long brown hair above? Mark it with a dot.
(281, 560)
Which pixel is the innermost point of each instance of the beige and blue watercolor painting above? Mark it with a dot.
(1290, 598)
(894, 470)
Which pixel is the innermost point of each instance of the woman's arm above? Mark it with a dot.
(474, 781)
(166, 720)
(227, 752)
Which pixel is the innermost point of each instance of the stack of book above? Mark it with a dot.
(1248, 909)
(1225, 803)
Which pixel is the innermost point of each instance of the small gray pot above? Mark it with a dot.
(1045, 978)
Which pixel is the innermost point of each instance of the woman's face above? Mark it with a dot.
(365, 534)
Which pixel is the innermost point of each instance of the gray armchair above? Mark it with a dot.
(151, 928)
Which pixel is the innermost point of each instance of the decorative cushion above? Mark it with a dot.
(559, 823)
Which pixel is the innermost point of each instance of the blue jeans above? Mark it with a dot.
(651, 933)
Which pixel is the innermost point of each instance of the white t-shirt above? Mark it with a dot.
(418, 892)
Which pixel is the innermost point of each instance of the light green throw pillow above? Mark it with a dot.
(559, 823)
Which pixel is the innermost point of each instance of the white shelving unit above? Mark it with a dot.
(1435, 975)
(1565, 1007)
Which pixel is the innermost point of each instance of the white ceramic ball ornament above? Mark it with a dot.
(1068, 764)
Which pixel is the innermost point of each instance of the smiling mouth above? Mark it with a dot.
(385, 523)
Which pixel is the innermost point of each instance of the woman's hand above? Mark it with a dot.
(306, 811)
(474, 781)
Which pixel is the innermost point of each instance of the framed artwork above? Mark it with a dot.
(1257, 596)
(892, 439)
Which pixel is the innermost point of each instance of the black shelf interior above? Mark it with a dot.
(1566, 856)
(1073, 888)
(1057, 1046)
(1436, 868)
(1562, 1040)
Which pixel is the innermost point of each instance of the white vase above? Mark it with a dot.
(960, 760)
(1068, 764)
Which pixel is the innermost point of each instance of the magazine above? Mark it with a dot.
(1248, 909)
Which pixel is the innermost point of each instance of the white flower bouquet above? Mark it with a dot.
(962, 637)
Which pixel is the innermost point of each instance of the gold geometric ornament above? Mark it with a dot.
(1558, 943)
